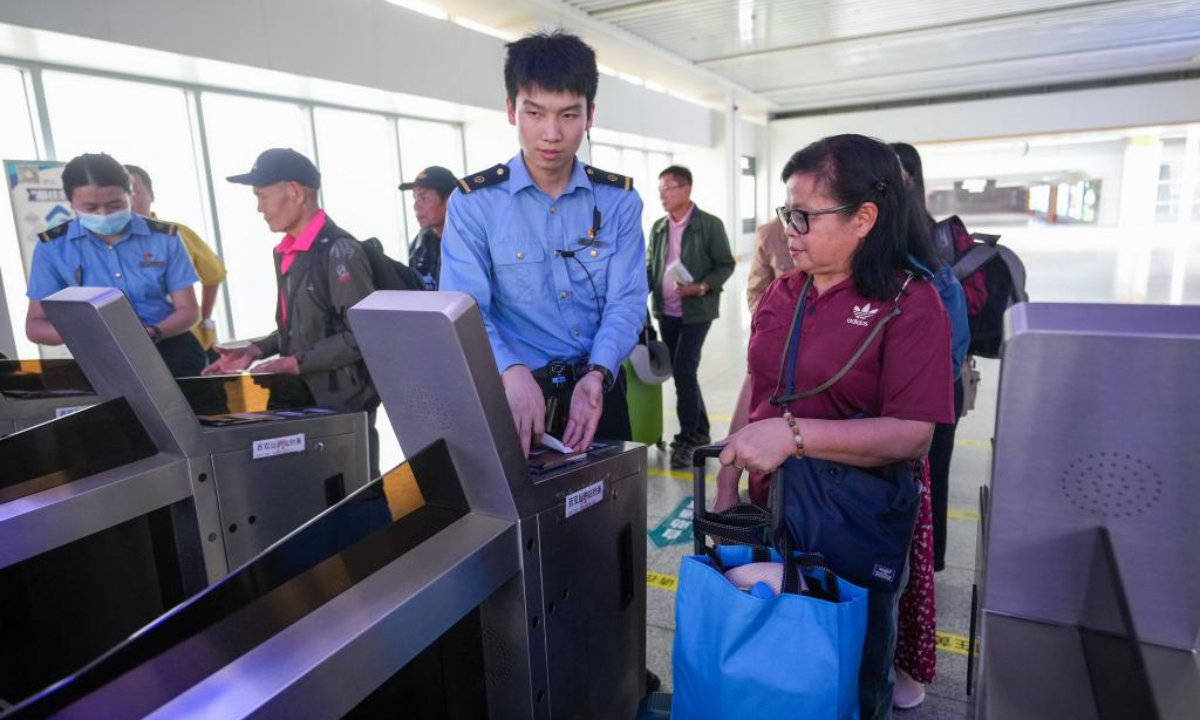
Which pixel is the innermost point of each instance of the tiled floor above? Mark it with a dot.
(721, 370)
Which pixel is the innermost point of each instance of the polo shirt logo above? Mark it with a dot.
(862, 315)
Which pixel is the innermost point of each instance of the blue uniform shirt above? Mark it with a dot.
(147, 263)
(499, 246)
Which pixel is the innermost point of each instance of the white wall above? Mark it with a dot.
(1130, 106)
(366, 43)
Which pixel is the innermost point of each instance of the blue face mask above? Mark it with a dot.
(110, 224)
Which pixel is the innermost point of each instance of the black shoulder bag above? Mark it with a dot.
(861, 521)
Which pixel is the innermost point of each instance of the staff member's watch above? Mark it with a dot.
(156, 333)
(609, 380)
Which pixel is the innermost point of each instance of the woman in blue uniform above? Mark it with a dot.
(106, 245)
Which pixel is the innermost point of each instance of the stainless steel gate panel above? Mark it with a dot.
(1095, 427)
(261, 500)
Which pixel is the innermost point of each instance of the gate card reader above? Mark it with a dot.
(34, 391)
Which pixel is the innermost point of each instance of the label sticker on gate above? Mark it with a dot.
(278, 446)
(581, 500)
(60, 412)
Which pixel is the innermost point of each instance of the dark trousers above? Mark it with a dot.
(614, 418)
(685, 341)
(940, 452)
(183, 355)
(372, 443)
(876, 678)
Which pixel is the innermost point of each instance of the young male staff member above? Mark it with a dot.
(552, 249)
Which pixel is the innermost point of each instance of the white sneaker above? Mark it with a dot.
(907, 693)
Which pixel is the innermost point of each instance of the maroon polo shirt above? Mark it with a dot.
(905, 373)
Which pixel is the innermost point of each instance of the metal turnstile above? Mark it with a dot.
(34, 391)
(111, 515)
(457, 586)
(1090, 583)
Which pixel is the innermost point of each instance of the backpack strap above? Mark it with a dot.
(974, 259)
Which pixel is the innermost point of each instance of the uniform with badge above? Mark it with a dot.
(561, 283)
(147, 262)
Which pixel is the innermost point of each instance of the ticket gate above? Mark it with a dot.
(458, 586)
(1089, 584)
(34, 391)
(111, 515)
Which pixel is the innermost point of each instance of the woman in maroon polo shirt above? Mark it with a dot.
(851, 226)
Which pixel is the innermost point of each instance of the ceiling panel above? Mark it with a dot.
(817, 53)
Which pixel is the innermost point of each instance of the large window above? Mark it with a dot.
(238, 129)
(359, 175)
(136, 123)
(16, 143)
(423, 144)
(166, 129)
(641, 165)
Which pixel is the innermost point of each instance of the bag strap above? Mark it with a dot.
(974, 259)
(787, 363)
(742, 524)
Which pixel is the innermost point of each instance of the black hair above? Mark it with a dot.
(678, 172)
(910, 160)
(94, 169)
(145, 176)
(553, 62)
(443, 193)
(853, 169)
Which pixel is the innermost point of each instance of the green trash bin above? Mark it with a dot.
(645, 408)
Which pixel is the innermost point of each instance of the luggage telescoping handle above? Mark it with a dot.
(699, 458)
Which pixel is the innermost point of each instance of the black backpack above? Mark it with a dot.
(1004, 275)
(386, 273)
(390, 274)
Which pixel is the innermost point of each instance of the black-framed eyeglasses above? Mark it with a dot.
(799, 219)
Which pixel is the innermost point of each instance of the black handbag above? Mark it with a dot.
(860, 520)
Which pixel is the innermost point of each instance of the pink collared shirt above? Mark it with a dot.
(290, 247)
(672, 300)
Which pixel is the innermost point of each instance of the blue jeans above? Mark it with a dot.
(875, 675)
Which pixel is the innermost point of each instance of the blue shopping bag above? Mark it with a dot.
(737, 656)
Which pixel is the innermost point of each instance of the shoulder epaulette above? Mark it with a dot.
(605, 177)
(492, 176)
(55, 232)
(164, 228)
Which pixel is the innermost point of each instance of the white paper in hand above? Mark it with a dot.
(680, 273)
(555, 444)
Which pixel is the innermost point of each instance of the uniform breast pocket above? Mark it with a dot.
(594, 262)
(519, 269)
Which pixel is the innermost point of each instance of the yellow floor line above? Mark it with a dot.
(984, 444)
(960, 514)
(948, 642)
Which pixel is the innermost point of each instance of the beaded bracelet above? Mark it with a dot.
(791, 421)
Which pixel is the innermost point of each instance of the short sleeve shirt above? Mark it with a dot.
(147, 263)
(905, 373)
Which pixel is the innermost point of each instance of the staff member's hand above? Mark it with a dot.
(232, 361)
(527, 404)
(587, 404)
(287, 365)
(760, 447)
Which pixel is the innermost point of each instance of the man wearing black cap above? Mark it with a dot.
(431, 189)
(321, 272)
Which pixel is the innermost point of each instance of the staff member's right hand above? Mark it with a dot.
(232, 361)
(527, 404)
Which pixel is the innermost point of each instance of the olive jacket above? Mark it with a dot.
(321, 285)
(704, 251)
